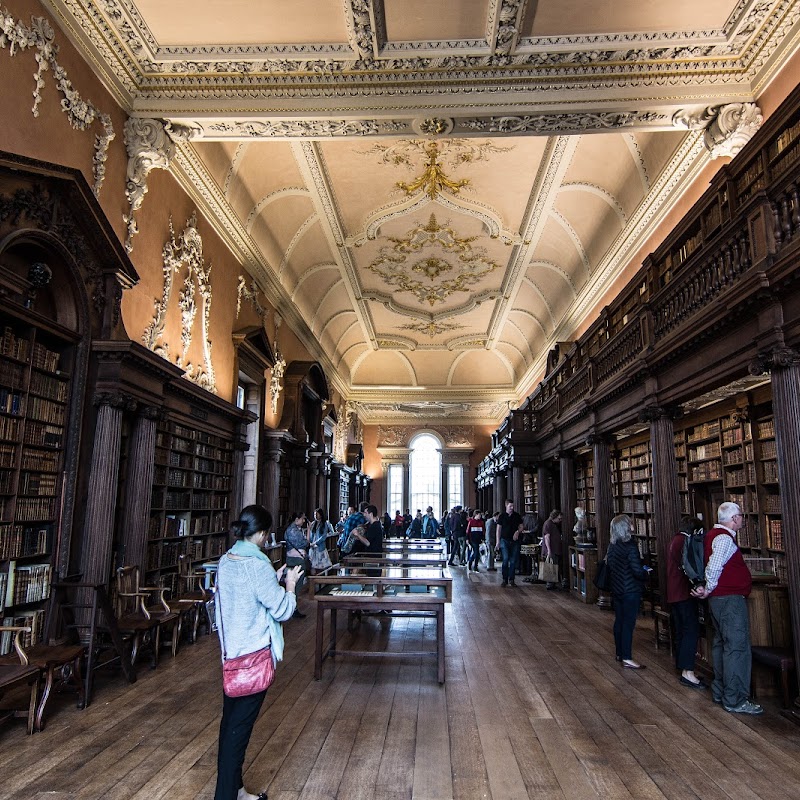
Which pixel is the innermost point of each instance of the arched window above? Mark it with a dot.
(425, 470)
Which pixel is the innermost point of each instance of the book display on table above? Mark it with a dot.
(190, 506)
(35, 362)
(582, 570)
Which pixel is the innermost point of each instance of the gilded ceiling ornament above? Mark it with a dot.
(433, 180)
(432, 126)
(393, 263)
(278, 370)
(187, 249)
(432, 328)
(81, 113)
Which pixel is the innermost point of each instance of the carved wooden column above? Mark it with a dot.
(498, 490)
(139, 488)
(323, 478)
(544, 504)
(272, 476)
(666, 502)
(518, 491)
(568, 499)
(312, 476)
(509, 489)
(783, 364)
(603, 494)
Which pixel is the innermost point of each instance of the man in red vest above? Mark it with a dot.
(728, 584)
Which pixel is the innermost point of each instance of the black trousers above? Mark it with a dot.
(687, 628)
(239, 714)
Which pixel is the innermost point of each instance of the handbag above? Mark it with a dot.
(602, 578)
(248, 674)
(548, 571)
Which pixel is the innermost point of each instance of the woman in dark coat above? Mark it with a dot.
(628, 576)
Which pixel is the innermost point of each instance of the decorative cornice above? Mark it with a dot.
(116, 400)
(769, 360)
(655, 413)
(727, 128)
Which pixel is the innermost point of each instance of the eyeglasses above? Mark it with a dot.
(741, 516)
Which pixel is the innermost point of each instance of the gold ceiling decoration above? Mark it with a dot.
(432, 328)
(433, 180)
(393, 264)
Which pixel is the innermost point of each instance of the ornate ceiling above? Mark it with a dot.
(433, 193)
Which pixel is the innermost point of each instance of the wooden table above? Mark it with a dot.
(400, 590)
(397, 559)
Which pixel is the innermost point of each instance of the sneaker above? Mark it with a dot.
(513, 583)
(504, 583)
(717, 700)
(745, 707)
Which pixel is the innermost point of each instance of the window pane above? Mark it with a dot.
(394, 495)
(425, 463)
(455, 486)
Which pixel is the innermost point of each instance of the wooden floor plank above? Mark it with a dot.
(534, 706)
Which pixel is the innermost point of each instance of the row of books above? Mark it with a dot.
(10, 428)
(164, 555)
(39, 433)
(30, 619)
(11, 401)
(8, 453)
(44, 359)
(12, 375)
(6, 482)
(775, 533)
(46, 410)
(37, 483)
(18, 541)
(185, 526)
(29, 509)
(14, 346)
(48, 460)
(49, 386)
(27, 583)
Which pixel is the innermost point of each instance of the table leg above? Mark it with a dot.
(318, 643)
(332, 644)
(440, 641)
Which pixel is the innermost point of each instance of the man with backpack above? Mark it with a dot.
(683, 607)
(728, 584)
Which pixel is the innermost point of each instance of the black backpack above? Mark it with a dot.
(693, 561)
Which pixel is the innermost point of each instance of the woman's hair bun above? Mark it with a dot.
(252, 520)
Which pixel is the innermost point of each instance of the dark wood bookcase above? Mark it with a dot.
(632, 481)
(584, 488)
(36, 359)
(530, 501)
(191, 498)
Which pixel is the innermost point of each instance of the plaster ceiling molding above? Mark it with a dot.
(432, 262)
(565, 122)
(432, 327)
(81, 113)
(638, 160)
(184, 251)
(396, 343)
(469, 342)
(575, 239)
(293, 129)
(278, 194)
(597, 191)
(726, 129)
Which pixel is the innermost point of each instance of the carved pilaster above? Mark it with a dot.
(517, 490)
(664, 467)
(784, 366)
(499, 491)
(138, 488)
(272, 474)
(544, 500)
(603, 494)
(312, 473)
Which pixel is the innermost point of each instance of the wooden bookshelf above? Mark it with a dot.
(35, 385)
(582, 570)
(191, 497)
(530, 494)
(631, 474)
(584, 488)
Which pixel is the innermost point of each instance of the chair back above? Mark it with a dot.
(128, 598)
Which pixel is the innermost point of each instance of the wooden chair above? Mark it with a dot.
(141, 621)
(13, 675)
(191, 596)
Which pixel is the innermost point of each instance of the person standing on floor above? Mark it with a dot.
(250, 606)
(551, 541)
(430, 525)
(628, 577)
(492, 540)
(476, 532)
(509, 526)
(728, 584)
(298, 544)
(683, 607)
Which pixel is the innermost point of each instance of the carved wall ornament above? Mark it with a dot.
(341, 433)
(250, 293)
(777, 358)
(471, 264)
(457, 435)
(432, 126)
(149, 147)
(392, 436)
(565, 123)
(292, 129)
(80, 113)
(276, 379)
(186, 250)
(727, 128)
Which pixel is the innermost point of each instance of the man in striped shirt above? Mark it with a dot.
(728, 584)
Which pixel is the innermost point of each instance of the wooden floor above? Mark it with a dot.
(534, 706)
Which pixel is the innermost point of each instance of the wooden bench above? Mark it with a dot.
(779, 658)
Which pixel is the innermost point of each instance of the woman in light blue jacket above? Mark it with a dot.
(251, 604)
